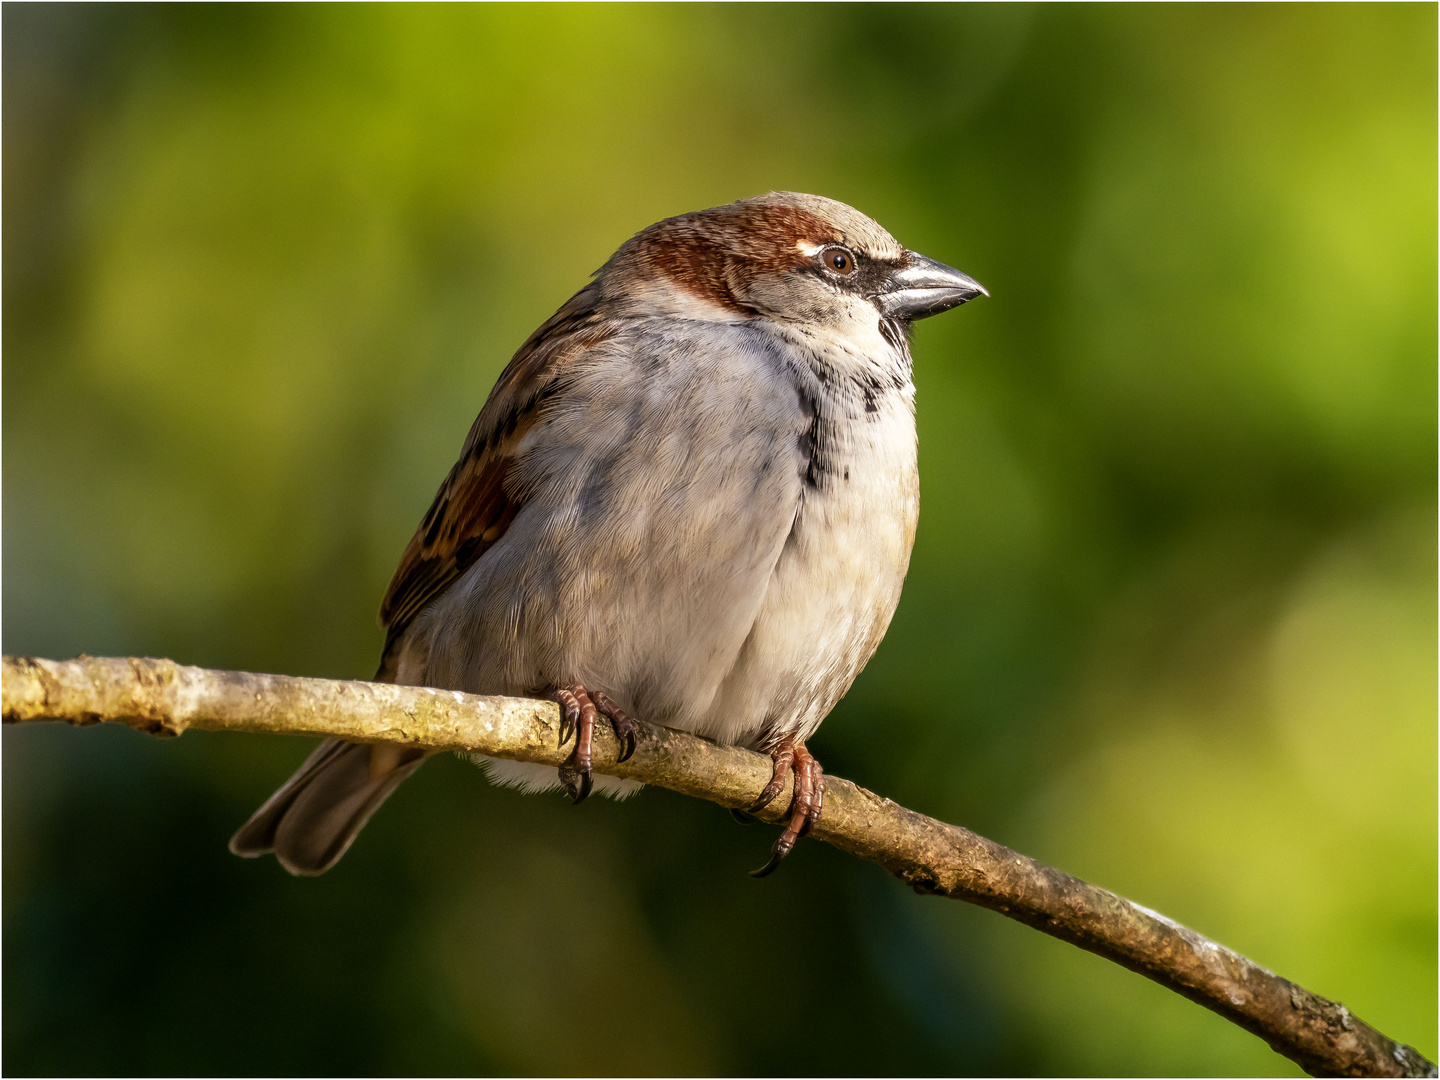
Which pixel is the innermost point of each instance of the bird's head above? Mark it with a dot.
(785, 256)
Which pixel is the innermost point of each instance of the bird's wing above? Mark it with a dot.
(477, 501)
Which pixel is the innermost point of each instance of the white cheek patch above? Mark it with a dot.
(665, 297)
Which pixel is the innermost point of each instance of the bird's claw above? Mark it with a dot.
(626, 730)
(579, 709)
(569, 714)
(778, 851)
(577, 784)
(804, 807)
(784, 758)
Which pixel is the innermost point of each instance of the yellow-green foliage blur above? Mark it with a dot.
(1170, 623)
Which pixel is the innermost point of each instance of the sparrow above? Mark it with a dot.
(690, 497)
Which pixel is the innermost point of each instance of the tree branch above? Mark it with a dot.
(165, 698)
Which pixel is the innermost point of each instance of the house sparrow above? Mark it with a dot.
(691, 497)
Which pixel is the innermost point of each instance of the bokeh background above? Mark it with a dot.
(1170, 624)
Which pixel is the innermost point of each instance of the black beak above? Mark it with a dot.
(924, 287)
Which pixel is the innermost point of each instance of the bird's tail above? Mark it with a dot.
(311, 821)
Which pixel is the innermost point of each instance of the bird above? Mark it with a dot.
(690, 498)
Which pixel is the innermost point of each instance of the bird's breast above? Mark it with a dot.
(837, 580)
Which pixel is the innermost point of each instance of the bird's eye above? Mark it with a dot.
(838, 260)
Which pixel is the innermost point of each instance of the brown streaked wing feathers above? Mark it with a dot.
(476, 504)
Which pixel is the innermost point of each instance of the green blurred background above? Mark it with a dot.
(1170, 623)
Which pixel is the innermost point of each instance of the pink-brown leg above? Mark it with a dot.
(626, 729)
(804, 807)
(569, 713)
(784, 758)
(580, 709)
(817, 795)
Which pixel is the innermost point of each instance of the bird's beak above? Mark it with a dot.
(924, 287)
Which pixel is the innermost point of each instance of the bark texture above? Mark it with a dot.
(165, 698)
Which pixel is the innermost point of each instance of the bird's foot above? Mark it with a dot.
(579, 709)
(804, 808)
